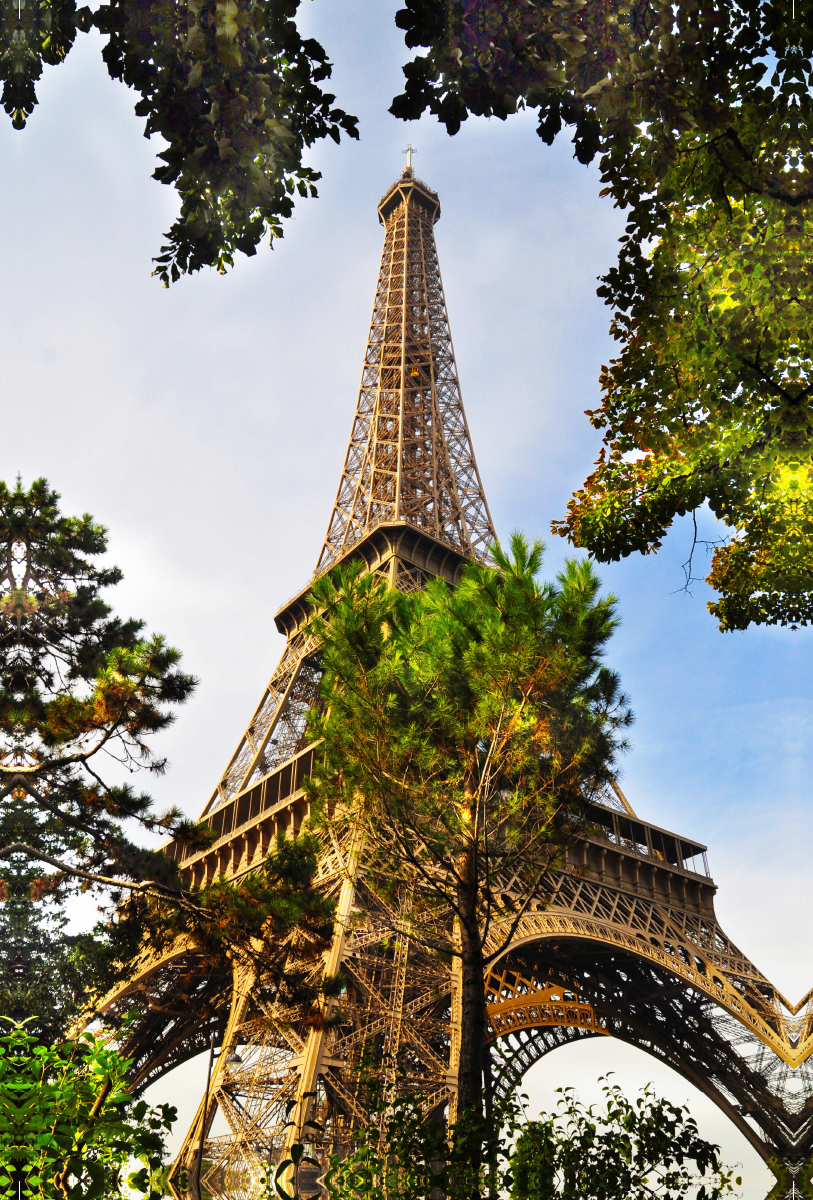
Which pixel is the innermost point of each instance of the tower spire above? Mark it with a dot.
(409, 460)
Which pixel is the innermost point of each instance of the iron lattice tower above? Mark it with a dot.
(623, 941)
(410, 500)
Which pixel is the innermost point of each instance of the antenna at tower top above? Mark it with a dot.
(410, 150)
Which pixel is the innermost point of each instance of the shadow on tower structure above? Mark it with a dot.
(623, 941)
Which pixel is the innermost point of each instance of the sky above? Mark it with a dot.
(206, 426)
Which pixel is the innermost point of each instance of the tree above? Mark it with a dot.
(638, 1151)
(234, 90)
(602, 69)
(78, 687)
(462, 730)
(400, 1156)
(275, 920)
(626, 1150)
(709, 400)
(709, 150)
(701, 118)
(49, 976)
(68, 1127)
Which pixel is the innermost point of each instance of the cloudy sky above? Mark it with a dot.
(206, 426)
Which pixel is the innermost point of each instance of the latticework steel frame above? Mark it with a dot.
(622, 941)
(410, 456)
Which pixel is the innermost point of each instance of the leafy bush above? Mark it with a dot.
(68, 1127)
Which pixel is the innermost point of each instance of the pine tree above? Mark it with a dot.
(79, 687)
(463, 730)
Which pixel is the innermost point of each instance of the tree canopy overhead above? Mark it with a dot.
(232, 87)
(700, 115)
(700, 118)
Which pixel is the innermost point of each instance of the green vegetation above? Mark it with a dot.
(463, 729)
(710, 150)
(701, 120)
(78, 687)
(232, 87)
(275, 920)
(237, 94)
(710, 398)
(69, 1130)
(646, 1149)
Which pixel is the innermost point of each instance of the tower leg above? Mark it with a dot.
(186, 1170)
(316, 1044)
(456, 973)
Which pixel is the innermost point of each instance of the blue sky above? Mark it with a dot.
(206, 426)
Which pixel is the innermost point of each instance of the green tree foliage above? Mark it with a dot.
(236, 91)
(69, 1130)
(648, 1149)
(710, 398)
(710, 150)
(700, 116)
(276, 919)
(462, 730)
(404, 1156)
(230, 85)
(31, 36)
(600, 68)
(47, 975)
(414, 1146)
(78, 687)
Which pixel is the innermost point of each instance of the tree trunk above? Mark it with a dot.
(472, 1007)
(472, 1013)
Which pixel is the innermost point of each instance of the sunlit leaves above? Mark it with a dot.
(462, 729)
(710, 399)
(69, 1127)
(709, 149)
(452, 715)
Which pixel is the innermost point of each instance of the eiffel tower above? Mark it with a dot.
(623, 941)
